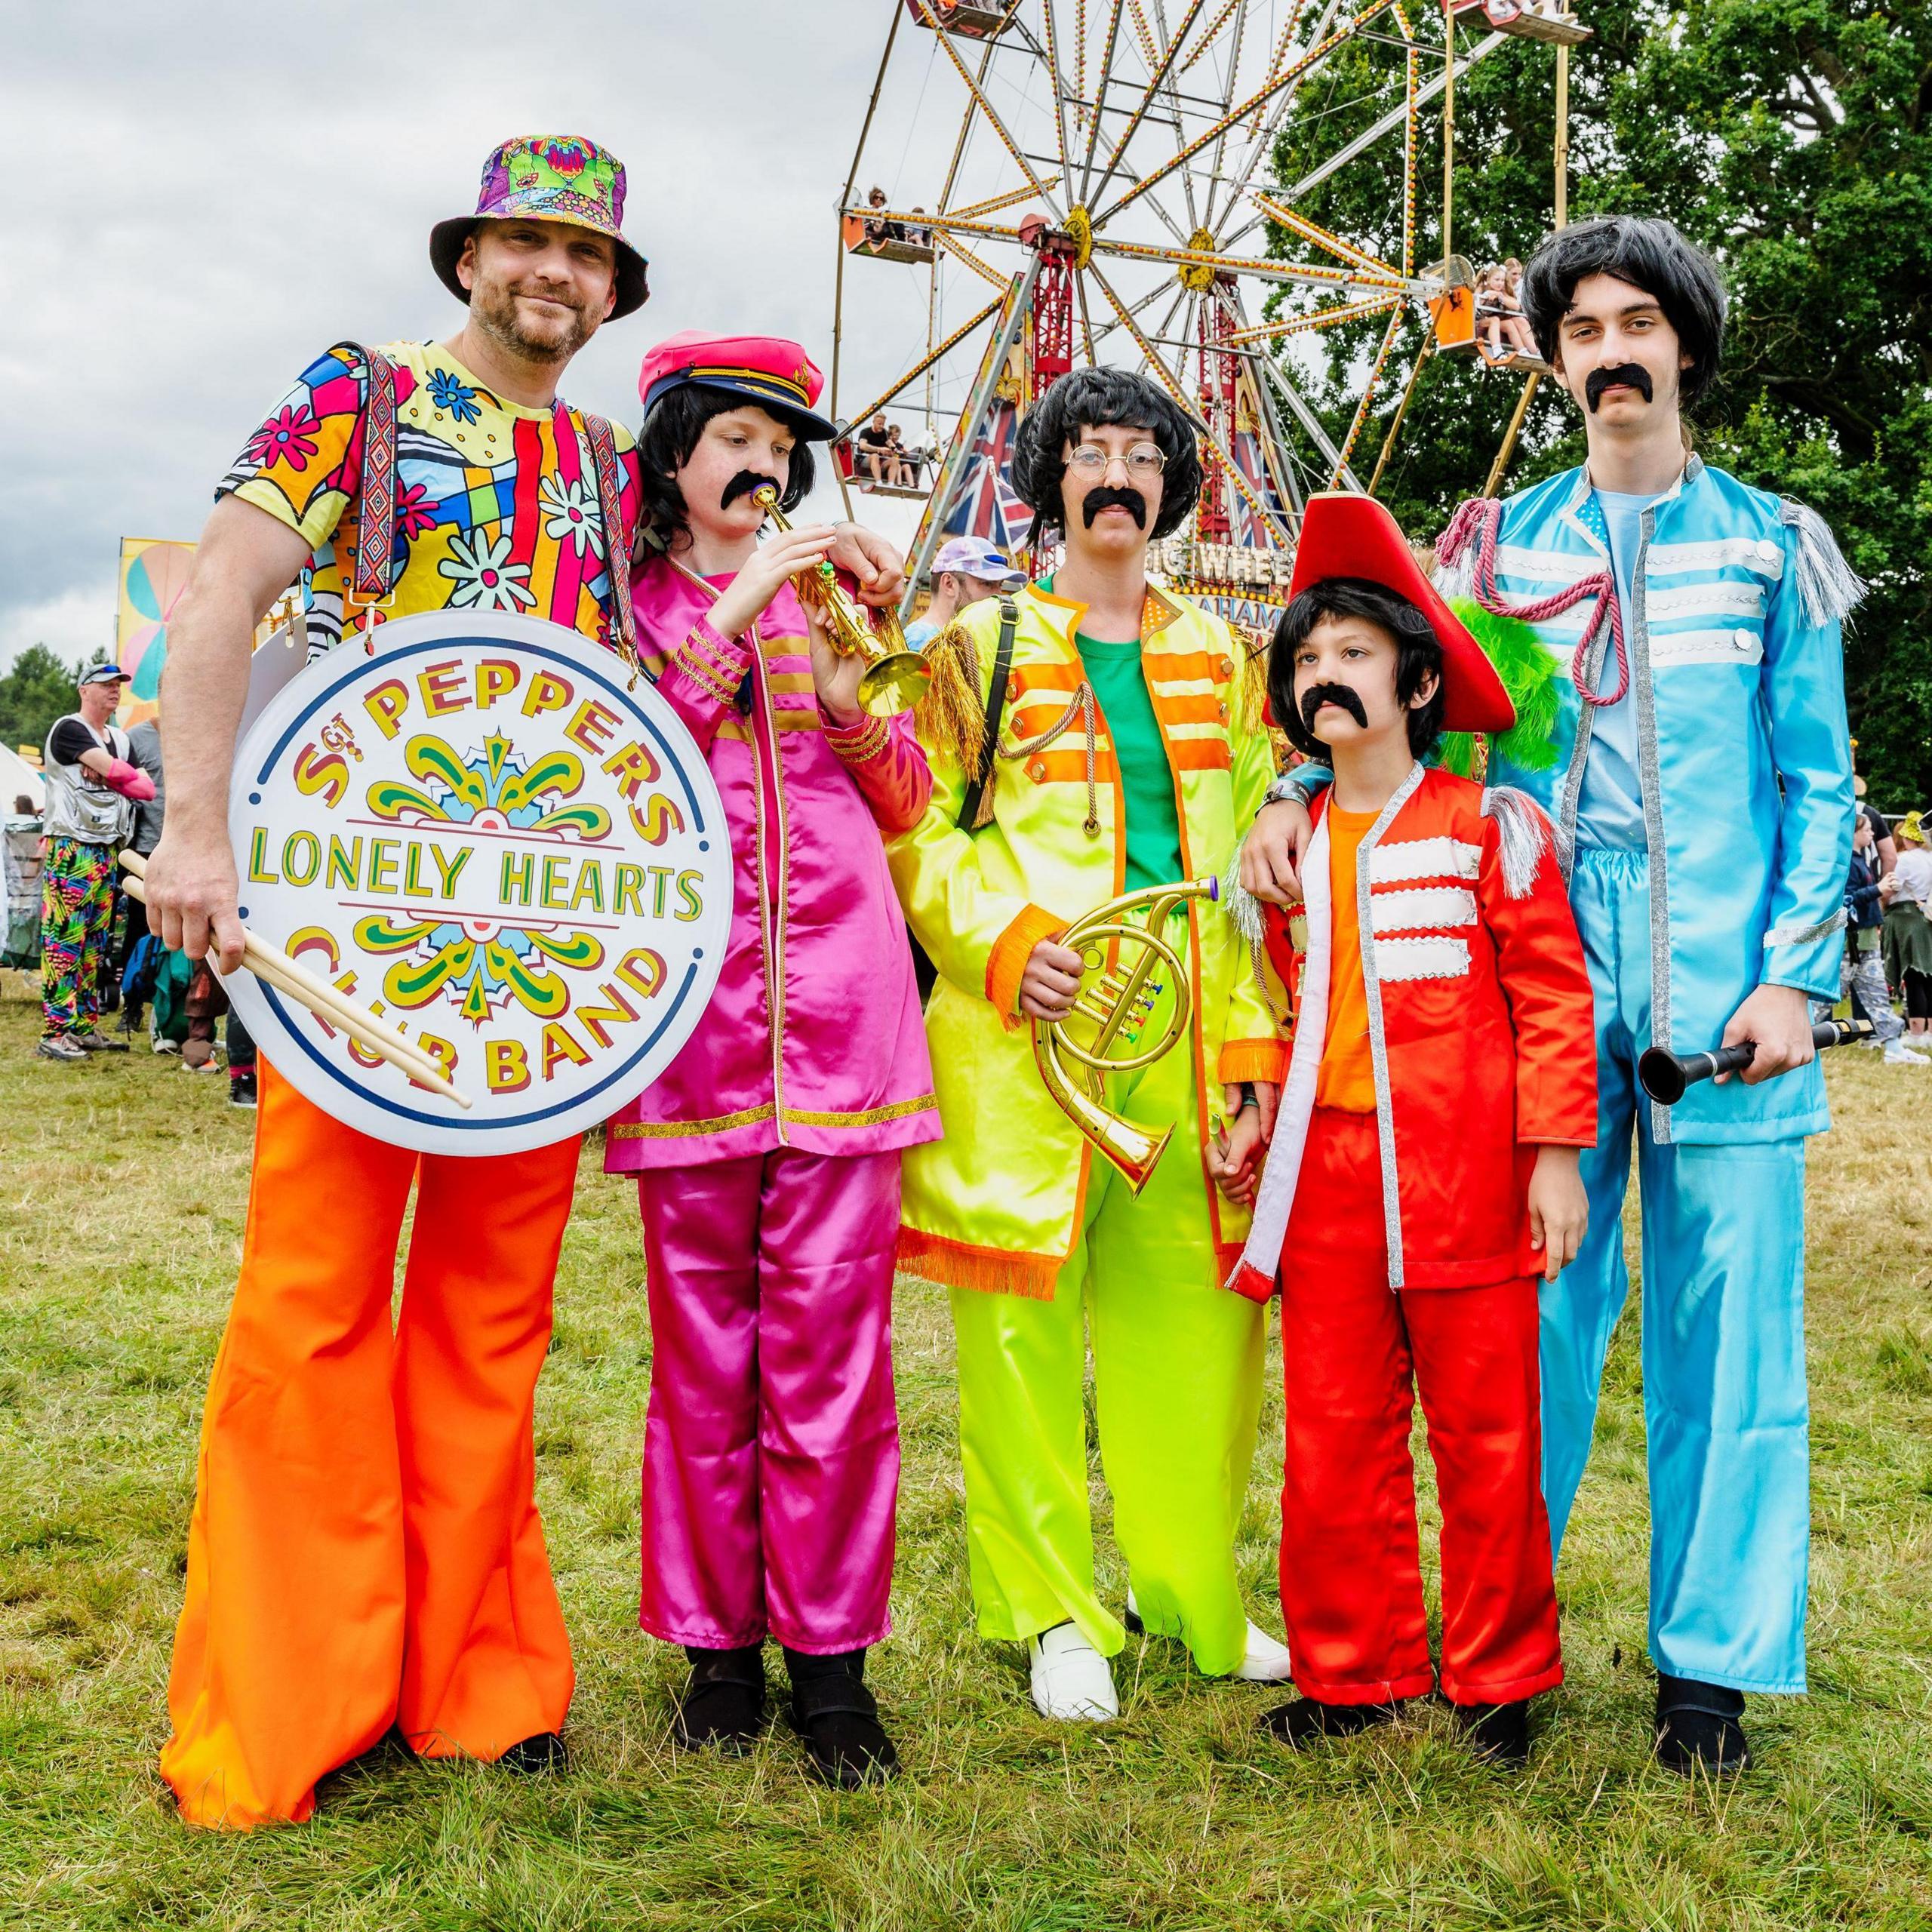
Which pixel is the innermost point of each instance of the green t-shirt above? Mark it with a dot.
(1147, 784)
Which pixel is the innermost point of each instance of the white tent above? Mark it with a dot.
(17, 776)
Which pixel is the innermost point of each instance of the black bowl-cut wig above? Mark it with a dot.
(1647, 253)
(1100, 399)
(669, 434)
(1418, 652)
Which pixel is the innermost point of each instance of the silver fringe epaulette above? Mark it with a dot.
(1524, 834)
(1828, 587)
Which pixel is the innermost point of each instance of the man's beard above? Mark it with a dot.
(1633, 375)
(1316, 696)
(493, 307)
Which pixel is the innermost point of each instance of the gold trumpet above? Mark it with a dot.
(895, 678)
(1075, 1071)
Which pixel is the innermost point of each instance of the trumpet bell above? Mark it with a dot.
(895, 684)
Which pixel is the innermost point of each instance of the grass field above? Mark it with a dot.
(119, 1230)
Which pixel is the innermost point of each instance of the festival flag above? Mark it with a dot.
(154, 572)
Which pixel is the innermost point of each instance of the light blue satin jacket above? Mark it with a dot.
(1736, 670)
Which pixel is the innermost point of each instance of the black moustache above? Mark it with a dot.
(1628, 375)
(744, 483)
(1316, 696)
(1106, 497)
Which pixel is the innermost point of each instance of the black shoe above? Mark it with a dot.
(1499, 1734)
(1307, 1721)
(722, 1708)
(241, 1091)
(536, 1757)
(1699, 1729)
(837, 1717)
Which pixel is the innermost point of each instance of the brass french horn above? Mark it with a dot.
(1075, 1066)
(895, 678)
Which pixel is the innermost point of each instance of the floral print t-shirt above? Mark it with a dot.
(496, 505)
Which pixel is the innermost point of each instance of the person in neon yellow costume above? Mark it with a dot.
(1130, 752)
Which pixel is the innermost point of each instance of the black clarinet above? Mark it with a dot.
(1665, 1075)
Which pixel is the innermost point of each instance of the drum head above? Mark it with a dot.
(483, 832)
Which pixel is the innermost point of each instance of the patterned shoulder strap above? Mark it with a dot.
(375, 516)
(616, 535)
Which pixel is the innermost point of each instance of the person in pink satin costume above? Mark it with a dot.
(768, 1155)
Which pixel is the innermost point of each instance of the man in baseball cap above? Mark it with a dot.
(967, 570)
(92, 789)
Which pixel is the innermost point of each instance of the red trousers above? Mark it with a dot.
(1356, 1354)
(365, 1549)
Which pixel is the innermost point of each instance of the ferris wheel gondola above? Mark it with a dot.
(1108, 195)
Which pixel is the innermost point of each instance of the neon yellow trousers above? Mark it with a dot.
(1177, 1372)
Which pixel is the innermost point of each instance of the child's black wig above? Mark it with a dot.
(1097, 399)
(669, 435)
(1417, 653)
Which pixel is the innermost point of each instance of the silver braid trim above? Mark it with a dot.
(1829, 587)
(1524, 834)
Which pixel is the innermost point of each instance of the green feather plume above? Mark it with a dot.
(1529, 673)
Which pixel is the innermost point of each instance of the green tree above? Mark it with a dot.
(36, 689)
(1790, 137)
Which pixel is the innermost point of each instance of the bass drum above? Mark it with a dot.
(484, 833)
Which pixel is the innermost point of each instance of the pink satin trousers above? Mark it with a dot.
(771, 1445)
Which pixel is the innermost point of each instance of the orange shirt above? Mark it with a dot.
(1346, 1080)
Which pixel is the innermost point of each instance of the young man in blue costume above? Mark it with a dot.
(1704, 775)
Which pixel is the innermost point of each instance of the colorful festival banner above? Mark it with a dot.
(154, 572)
(483, 833)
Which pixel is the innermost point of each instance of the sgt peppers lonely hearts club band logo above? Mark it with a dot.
(483, 834)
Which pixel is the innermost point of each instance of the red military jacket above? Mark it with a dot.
(1481, 1030)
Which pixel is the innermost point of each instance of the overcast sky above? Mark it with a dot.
(206, 194)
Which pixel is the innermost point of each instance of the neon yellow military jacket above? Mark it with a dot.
(994, 1204)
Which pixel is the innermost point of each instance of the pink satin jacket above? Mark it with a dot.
(814, 1038)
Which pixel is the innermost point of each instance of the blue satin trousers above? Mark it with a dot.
(1725, 1409)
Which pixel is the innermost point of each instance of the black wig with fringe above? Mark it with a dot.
(1418, 652)
(1648, 253)
(669, 435)
(1096, 399)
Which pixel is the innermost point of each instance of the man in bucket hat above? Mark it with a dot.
(365, 1551)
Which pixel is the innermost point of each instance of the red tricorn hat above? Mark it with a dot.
(1344, 535)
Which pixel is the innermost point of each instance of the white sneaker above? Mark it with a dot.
(1072, 1683)
(1897, 1053)
(1266, 1661)
(1263, 1661)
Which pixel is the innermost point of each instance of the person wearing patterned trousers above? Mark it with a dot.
(76, 910)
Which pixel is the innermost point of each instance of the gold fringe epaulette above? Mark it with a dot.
(951, 716)
(1253, 647)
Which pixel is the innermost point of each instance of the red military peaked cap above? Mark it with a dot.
(767, 369)
(1344, 534)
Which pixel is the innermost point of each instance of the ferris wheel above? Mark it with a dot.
(1076, 181)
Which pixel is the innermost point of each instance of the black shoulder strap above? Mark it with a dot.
(969, 806)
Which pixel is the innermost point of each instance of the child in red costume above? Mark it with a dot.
(1423, 1170)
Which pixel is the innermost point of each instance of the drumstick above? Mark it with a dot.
(328, 1003)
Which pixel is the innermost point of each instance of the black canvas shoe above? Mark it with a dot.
(1499, 1734)
(1307, 1721)
(722, 1708)
(241, 1092)
(1700, 1727)
(837, 1719)
(535, 1757)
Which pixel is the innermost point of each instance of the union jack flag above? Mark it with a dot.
(1247, 528)
(986, 505)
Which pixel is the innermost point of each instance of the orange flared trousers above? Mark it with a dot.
(365, 1549)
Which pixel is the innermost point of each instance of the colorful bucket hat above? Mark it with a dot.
(764, 369)
(547, 177)
(1344, 535)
